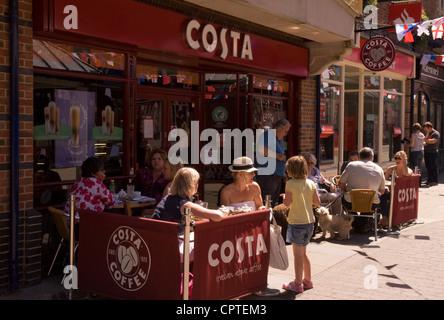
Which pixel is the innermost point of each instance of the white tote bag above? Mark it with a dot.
(278, 249)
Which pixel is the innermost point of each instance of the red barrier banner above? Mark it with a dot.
(124, 257)
(231, 257)
(405, 199)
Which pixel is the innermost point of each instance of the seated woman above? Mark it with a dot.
(243, 190)
(401, 169)
(325, 188)
(172, 207)
(169, 171)
(184, 186)
(150, 180)
(90, 192)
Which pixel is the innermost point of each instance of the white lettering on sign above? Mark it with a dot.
(71, 20)
(405, 195)
(209, 39)
(371, 21)
(227, 250)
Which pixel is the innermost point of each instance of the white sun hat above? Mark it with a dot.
(242, 164)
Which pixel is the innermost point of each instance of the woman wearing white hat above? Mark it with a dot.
(243, 190)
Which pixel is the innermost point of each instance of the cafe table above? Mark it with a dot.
(140, 202)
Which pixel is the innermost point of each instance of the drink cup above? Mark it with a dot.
(130, 191)
(75, 126)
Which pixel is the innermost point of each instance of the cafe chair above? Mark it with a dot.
(63, 230)
(126, 207)
(362, 205)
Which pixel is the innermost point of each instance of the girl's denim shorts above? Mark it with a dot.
(300, 234)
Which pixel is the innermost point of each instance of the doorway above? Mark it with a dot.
(159, 115)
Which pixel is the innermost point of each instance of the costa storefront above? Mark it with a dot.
(134, 73)
(372, 107)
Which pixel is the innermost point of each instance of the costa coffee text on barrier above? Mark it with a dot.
(209, 39)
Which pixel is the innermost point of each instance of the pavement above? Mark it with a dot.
(407, 265)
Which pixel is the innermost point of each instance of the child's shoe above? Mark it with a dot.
(307, 284)
(292, 286)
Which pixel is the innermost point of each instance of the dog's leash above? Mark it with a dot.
(331, 203)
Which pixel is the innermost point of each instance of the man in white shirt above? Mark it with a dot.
(363, 174)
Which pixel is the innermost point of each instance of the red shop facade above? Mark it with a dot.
(139, 73)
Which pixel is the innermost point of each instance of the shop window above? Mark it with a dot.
(74, 119)
(218, 86)
(60, 56)
(392, 129)
(371, 123)
(393, 85)
(266, 112)
(371, 83)
(332, 73)
(164, 77)
(350, 122)
(329, 117)
(270, 87)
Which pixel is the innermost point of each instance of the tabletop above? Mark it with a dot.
(140, 202)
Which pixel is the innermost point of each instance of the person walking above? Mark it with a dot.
(273, 157)
(300, 195)
(431, 154)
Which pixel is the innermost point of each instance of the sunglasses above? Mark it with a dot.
(398, 158)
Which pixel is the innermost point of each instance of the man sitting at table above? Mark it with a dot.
(363, 174)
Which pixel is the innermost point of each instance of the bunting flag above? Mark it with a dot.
(426, 58)
(403, 31)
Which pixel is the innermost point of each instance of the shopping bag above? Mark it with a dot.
(278, 250)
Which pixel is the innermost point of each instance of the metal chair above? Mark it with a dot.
(63, 230)
(362, 203)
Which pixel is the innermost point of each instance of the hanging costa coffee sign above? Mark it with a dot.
(378, 53)
(206, 37)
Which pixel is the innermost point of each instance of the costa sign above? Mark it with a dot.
(378, 53)
(206, 36)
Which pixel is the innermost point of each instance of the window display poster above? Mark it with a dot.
(76, 112)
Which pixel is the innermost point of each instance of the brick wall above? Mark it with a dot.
(29, 219)
(307, 116)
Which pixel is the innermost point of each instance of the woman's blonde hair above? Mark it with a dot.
(297, 167)
(184, 182)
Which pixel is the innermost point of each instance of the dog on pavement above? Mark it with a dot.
(333, 223)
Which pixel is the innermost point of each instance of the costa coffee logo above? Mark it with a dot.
(210, 39)
(128, 259)
(378, 53)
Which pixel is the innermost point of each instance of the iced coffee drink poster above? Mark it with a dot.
(77, 113)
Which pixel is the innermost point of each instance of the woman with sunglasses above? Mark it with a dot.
(401, 169)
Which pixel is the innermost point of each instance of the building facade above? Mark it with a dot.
(145, 71)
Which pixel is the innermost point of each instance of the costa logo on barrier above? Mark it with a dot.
(250, 245)
(406, 195)
(128, 259)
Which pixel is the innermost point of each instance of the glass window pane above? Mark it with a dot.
(75, 119)
(166, 77)
(330, 106)
(332, 73)
(371, 82)
(393, 85)
(67, 57)
(351, 82)
(391, 126)
(217, 85)
(267, 111)
(350, 122)
(371, 122)
(271, 87)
